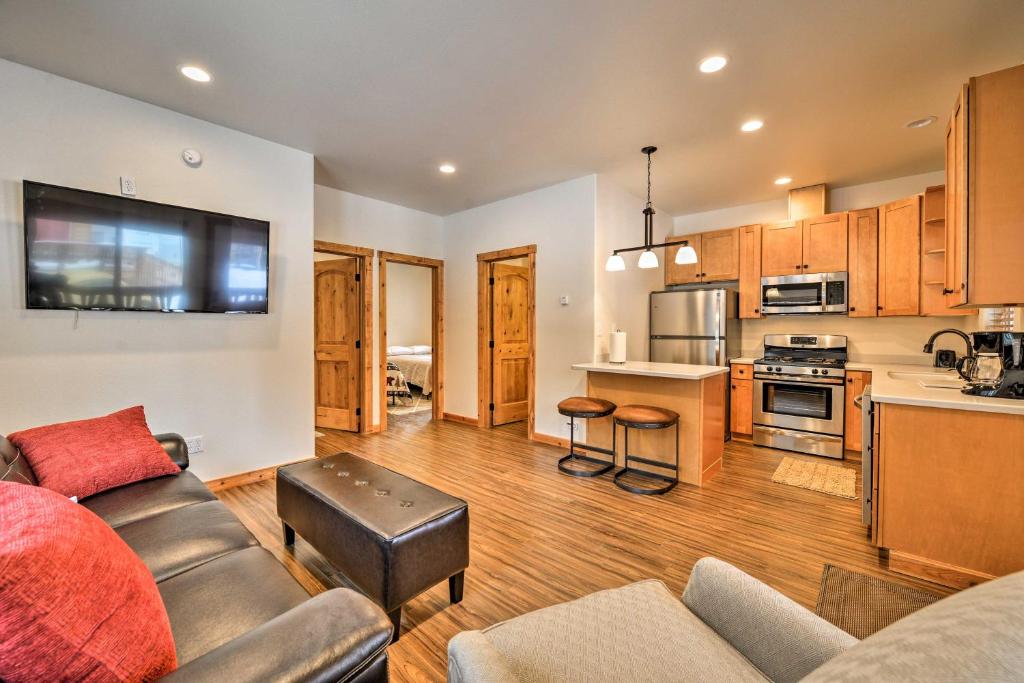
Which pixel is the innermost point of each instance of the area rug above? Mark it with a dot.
(861, 605)
(418, 404)
(817, 476)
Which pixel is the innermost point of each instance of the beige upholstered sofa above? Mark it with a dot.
(731, 627)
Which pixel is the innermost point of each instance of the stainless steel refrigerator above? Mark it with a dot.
(697, 326)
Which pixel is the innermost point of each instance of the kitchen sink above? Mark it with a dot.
(937, 379)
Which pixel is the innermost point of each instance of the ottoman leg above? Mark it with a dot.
(289, 534)
(395, 616)
(455, 584)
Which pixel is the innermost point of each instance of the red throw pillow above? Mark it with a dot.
(84, 457)
(75, 602)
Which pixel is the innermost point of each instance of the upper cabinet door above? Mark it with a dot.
(750, 271)
(720, 255)
(824, 243)
(899, 257)
(863, 257)
(781, 249)
(682, 275)
(955, 281)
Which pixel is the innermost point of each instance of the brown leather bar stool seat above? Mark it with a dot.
(646, 417)
(586, 408)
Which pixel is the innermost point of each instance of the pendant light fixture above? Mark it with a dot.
(648, 259)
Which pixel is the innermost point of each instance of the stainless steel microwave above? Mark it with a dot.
(805, 294)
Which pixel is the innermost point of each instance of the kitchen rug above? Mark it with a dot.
(817, 476)
(861, 605)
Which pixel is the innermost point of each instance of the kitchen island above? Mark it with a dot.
(696, 392)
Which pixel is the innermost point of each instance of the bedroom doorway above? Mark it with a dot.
(341, 322)
(411, 314)
(506, 340)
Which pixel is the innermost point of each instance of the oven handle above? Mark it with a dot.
(822, 381)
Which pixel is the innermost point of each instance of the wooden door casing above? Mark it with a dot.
(676, 274)
(899, 257)
(863, 258)
(719, 255)
(856, 381)
(336, 338)
(750, 271)
(825, 243)
(510, 332)
(781, 248)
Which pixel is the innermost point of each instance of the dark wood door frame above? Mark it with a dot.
(436, 328)
(483, 313)
(365, 257)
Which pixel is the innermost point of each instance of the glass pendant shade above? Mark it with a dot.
(686, 255)
(614, 263)
(648, 259)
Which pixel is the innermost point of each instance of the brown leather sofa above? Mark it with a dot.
(235, 611)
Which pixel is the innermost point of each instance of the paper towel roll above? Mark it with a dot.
(617, 347)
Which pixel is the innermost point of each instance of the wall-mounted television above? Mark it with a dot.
(92, 251)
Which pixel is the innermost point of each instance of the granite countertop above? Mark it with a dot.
(669, 370)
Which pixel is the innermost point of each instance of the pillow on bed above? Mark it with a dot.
(421, 349)
(400, 351)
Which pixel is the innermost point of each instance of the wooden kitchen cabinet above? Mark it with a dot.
(862, 244)
(781, 249)
(824, 243)
(955, 246)
(750, 271)
(676, 274)
(718, 258)
(899, 257)
(856, 381)
(741, 399)
(934, 237)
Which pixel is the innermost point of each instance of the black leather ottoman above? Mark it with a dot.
(391, 536)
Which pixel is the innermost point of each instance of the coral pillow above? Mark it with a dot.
(88, 456)
(75, 602)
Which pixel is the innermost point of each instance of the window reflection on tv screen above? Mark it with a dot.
(86, 250)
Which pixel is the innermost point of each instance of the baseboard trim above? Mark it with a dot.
(461, 419)
(935, 571)
(243, 478)
(552, 440)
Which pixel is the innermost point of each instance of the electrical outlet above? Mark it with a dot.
(576, 428)
(127, 186)
(194, 444)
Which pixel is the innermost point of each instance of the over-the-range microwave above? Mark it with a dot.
(804, 294)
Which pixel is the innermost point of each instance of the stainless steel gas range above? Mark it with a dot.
(800, 393)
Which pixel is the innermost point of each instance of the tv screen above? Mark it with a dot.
(92, 251)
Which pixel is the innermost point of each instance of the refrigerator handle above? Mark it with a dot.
(718, 328)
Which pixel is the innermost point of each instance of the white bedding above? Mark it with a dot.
(416, 369)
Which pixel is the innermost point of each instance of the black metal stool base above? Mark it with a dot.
(628, 459)
(564, 467)
(641, 490)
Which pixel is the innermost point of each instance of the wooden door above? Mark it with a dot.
(863, 258)
(781, 249)
(510, 332)
(750, 271)
(720, 255)
(955, 281)
(336, 329)
(899, 257)
(825, 243)
(856, 381)
(681, 275)
(741, 406)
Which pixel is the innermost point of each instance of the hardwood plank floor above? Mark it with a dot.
(539, 537)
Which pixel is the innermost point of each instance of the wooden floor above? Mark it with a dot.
(539, 537)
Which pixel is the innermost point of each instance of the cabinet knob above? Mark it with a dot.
(852, 309)
(733, 386)
(849, 380)
(947, 291)
(797, 266)
(881, 308)
(806, 266)
(757, 310)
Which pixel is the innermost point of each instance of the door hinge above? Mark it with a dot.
(490, 344)
(490, 281)
(358, 277)
(490, 407)
(359, 411)
(359, 343)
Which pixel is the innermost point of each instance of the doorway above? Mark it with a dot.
(506, 337)
(411, 372)
(342, 276)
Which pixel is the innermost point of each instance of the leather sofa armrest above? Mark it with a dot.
(784, 640)
(175, 447)
(333, 636)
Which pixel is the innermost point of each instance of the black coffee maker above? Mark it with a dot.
(1009, 346)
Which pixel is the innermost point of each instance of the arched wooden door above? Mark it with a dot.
(510, 357)
(337, 343)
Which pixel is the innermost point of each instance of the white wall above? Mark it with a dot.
(409, 304)
(348, 218)
(244, 382)
(560, 221)
(896, 339)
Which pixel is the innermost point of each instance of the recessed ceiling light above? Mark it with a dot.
(784, 180)
(446, 168)
(195, 73)
(921, 123)
(710, 65)
(752, 125)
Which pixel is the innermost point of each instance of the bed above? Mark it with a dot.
(415, 364)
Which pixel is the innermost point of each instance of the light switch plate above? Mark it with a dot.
(127, 186)
(564, 299)
(194, 444)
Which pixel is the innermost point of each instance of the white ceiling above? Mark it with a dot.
(525, 93)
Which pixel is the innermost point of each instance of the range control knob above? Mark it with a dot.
(814, 371)
(824, 372)
(778, 369)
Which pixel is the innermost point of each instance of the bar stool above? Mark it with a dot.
(646, 417)
(586, 408)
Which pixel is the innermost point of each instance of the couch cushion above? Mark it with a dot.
(976, 635)
(13, 465)
(639, 632)
(226, 597)
(185, 537)
(75, 602)
(147, 498)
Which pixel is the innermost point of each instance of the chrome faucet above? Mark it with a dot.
(929, 345)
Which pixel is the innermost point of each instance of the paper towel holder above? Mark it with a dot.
(617, 347)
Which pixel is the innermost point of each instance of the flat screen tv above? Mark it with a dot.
(91, 251)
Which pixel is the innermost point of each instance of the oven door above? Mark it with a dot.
(793, 294)
(810, 406)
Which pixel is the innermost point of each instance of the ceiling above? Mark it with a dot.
(525, 93)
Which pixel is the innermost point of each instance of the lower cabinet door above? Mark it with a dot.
(741, 406)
